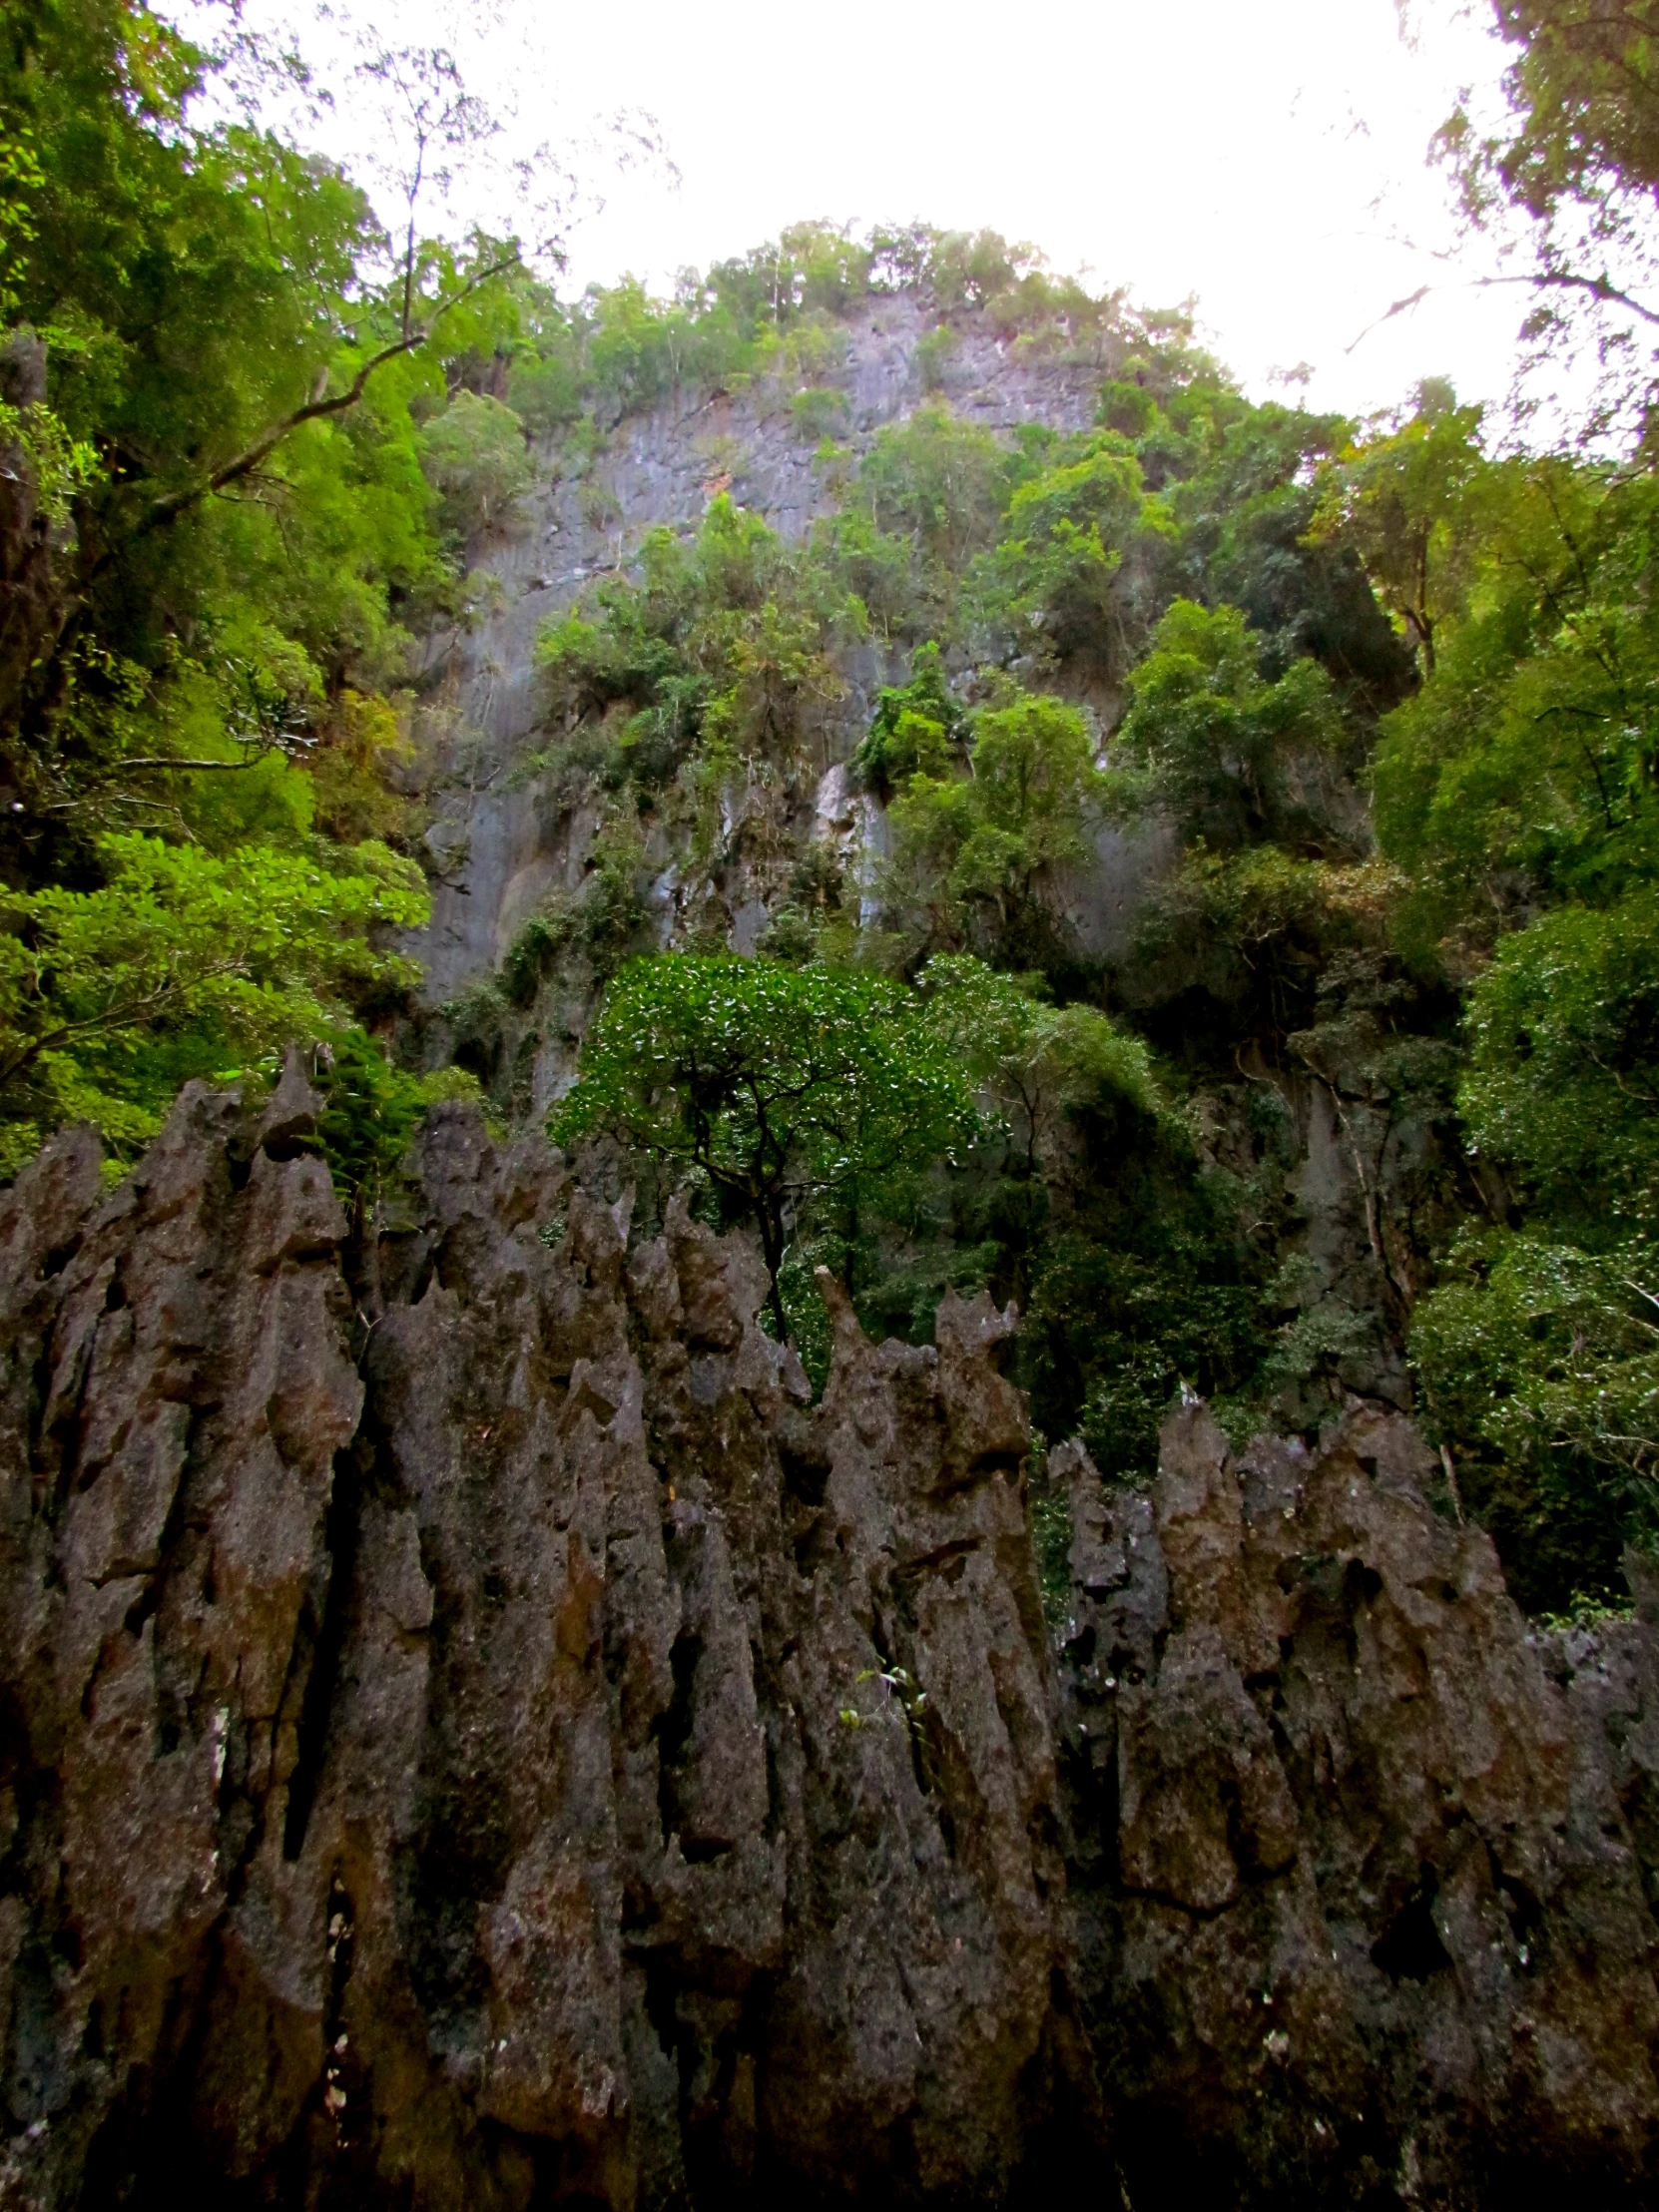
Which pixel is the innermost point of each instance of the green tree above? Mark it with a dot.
(1035, 1062)
(915, 726)
(475, 456)
(1576, 156)
(217, 335)
(1539, 1349)
(1539, 1363)
(1397, 499)
(1243, 514)
(976, 857)
(938, 481)
(1253, 932)
(182, 963)
(1072, 559)
(1236, 758)
(1528, 768)
(1564, 1074)
(780, 1090)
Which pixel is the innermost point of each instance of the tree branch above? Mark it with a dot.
(124, 1014)
(168, 761)
(175, 503)
(1599, 287)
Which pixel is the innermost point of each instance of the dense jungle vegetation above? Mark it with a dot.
(1386, 694)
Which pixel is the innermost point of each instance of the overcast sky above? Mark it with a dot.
(1269, 159)
(1265, 158)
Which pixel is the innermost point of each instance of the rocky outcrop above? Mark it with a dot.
(507, 1746)
(501, 843)
(485, 1738)
(1356, 1858)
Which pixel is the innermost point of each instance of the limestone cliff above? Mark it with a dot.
(475, 1734)
(499, 847)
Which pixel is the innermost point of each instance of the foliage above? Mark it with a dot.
(722, 641)
(1398, 499)
(1528, 769)
(1581, 102)
(940, 483)
(1035, 1062)
(1254, 931)
(370, 1111)
(1070, 573)
(1576, 159)
(1236, 758)
(818, 414)
(933, 354)
(177, 966)
(1245, 509)
(785, 1092)
(352, 758)
(975, 854)
(219, 333)
(475, 456)
(602, 921)
(1145, 1291)
(1049, 1518)
(915, 726)
(1564, 1074)
(1541, 1361)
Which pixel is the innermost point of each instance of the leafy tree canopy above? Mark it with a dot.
(781, 1089)
(1037, 1062)
(914, 729)
(182, 965)
(1398, 499)
(1528, 766)
(1070, 572)
(1237, 759)
(1563, 1076)
(476, 455)
(973, 854)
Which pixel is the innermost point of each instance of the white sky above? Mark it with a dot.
(1269, 159)
(1262, 157)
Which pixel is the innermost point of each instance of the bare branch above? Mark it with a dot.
(169, 760)
(124, 1014)
(1599, 287)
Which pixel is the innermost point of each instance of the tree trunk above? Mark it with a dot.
(770, 1216)
(32, 602)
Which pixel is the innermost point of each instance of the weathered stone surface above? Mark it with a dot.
(1358, 1890)
(505, 1745)
(512, 1747)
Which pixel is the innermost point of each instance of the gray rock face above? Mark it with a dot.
(1358, 1890)
(503, 1772)
(498, 851)
(501, 1745)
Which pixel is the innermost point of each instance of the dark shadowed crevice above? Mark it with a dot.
(1410, 1948)
(149, 1599)
(341, 1541)
(674, 1732)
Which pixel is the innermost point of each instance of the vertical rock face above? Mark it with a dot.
(509, 1746)
(505, 1746)
(1358, 1902)
(502, 843)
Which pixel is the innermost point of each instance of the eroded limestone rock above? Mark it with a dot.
(1361, 1907)
(472, 1754)
(490, 1741)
